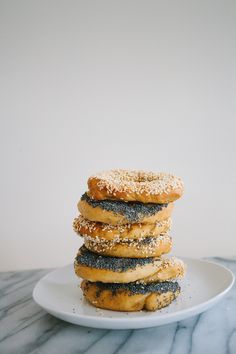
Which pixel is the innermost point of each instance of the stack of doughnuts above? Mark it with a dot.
(125, 219)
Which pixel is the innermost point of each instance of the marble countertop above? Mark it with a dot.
(26, 328)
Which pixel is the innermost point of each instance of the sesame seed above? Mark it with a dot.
(145, 245)
(86, 227)
(137, 182)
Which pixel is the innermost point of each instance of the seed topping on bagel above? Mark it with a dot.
(133, 211)
(93, 260)
(138, 288)
(137, 181)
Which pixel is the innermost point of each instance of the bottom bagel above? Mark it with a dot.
(131, 296)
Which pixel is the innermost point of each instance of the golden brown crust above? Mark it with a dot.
(109, 217)
(123, 300)
(144, 247)
(145, 187)
(169, 269)
(164, 269)
(96, 230)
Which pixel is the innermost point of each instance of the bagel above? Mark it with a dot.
(123, 270)
(93, 267)
(119, 212)
(139, 248)
(130, 185)
(130, 297)
(97, 230)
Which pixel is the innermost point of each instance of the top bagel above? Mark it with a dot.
(141, 186)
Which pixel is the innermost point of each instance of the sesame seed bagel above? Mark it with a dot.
(130, 297)
(117, 212)
(93, 267)
(97, 230)
(128, 185)
(128, 248)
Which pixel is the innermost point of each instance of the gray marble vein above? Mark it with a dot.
(27, 329)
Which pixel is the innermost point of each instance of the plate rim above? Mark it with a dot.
(126, 322)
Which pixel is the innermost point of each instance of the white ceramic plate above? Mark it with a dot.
(204, 285)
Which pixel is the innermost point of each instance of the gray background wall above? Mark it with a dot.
(94, 85)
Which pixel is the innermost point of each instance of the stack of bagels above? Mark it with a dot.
(125, 222)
